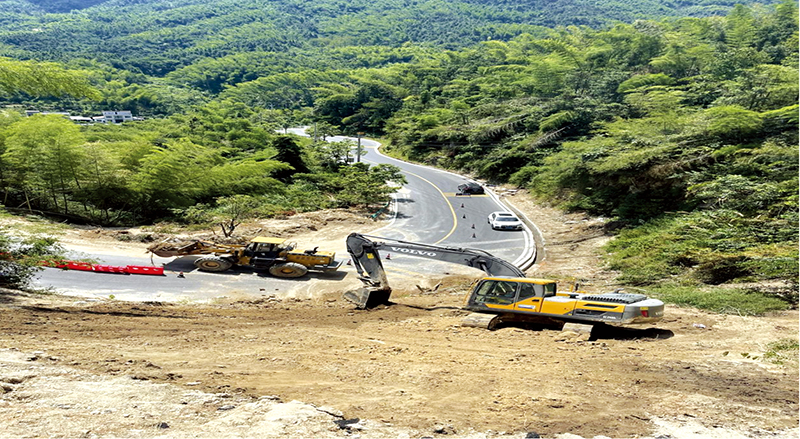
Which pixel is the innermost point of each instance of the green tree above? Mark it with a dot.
(44, 153)
(325, 130)
(289, 152)
(740, 29)
(43, 79)
(362, 185)
(233, 210)
(330, 156)
(105, 185)
(175, 175)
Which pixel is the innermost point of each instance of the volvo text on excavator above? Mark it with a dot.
(505, 294)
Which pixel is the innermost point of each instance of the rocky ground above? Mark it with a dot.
(280, 367)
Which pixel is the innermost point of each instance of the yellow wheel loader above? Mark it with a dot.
(504, 295)
(276, 255)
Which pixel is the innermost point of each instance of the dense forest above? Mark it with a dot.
(209, 44)
(676, 120)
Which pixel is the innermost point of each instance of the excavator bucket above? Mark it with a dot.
(365, 298)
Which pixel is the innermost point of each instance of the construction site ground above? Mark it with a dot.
(314, 367)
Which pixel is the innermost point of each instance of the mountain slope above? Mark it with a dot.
(157, 37)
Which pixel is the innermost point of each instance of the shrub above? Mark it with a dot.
(21, 259)
(782, 351)
(718, 299)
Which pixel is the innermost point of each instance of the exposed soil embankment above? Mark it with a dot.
(272, 367)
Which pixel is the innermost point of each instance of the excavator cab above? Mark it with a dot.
(510, 294)
(495, 292)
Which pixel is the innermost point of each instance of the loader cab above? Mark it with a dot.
(510, 294)
(265, 247)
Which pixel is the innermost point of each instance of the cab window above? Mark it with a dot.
(264, 247)
(496, 292)
(528, 290)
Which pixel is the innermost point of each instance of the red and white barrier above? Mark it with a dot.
(110, 269)
(143, 269)
(98, 268)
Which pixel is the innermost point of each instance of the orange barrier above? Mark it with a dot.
(110, 269)
(141, 269)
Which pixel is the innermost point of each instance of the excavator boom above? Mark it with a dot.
(376, 289)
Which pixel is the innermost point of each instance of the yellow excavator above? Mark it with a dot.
(505, 294)
(278, 256)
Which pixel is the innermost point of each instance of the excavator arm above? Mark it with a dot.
(376, 289)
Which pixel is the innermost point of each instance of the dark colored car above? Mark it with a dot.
(470, 188)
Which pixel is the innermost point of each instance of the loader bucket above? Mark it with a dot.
(365, 298)
(168, 249)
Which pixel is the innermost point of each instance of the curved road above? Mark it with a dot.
(425, 210)
(429, 211)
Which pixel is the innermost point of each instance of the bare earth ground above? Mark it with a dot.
(272, 367)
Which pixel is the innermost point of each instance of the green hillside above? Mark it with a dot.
(156, 37)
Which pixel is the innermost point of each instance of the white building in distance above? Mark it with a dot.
(117, 116)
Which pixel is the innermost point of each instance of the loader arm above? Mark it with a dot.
(376, 290)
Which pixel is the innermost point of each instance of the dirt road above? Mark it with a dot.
(274, 367)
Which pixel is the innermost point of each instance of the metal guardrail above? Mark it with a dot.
(538, 239)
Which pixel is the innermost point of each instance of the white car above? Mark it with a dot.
(504, 221)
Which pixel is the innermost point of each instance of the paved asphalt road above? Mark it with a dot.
(425, 210)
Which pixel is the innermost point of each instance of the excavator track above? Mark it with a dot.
(481, 320)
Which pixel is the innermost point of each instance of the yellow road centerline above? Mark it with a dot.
(449, 204)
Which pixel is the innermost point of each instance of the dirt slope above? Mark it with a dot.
(414, 367)
(294, 368)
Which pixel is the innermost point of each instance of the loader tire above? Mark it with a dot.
(214, 264)
(288, 269)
